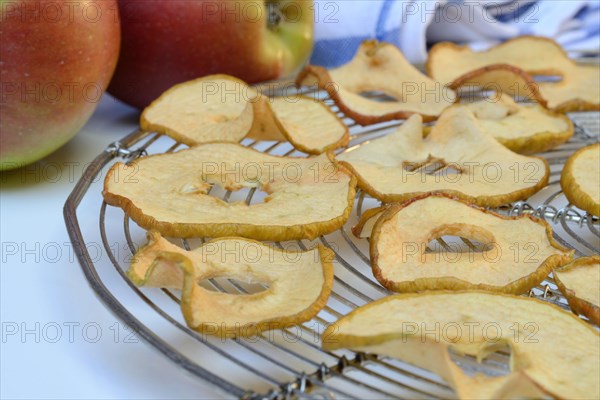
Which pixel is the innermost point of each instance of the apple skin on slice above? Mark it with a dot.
(501, 78)
(553, 352)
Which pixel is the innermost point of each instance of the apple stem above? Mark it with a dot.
(274, 15)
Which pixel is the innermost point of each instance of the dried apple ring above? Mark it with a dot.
(553, 353)
(221, 108)
(580, 179)
(379, 67)
(579, 281)
(466, 162)
(283, 303)
(307, 197)
(525, 129)
(512, 65)
(520, 251)
(499, 78)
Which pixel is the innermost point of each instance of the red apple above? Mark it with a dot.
(168, 42)
(56, 59)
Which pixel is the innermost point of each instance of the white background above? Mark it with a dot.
(58, 341)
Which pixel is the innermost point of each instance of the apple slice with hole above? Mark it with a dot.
(305, 197)
(518, 252)
(283, 302)
(523, 128)
(469, 163)
(379, 67)
(512, 65)
(552, 352)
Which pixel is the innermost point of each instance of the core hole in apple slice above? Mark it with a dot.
(433, 166)
(248, 194)
(456, 244)
(379, 96)
(494, 363)
(242, 285)
(459, 238)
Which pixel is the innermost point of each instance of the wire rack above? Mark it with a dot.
(290, 363)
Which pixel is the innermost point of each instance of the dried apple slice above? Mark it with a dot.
(221, 108)
(535, 55)
(283, 303)
(469, 163)
(307, 197)
(525, 129)
(513, 63)
(500, 78)
(553, 353)
(379, 67)
(579, 90)
(580, 179)
(307, 123)
(579, 281)
(210, 109)
(520, 251)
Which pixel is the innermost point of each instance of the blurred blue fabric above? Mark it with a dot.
(341, 25)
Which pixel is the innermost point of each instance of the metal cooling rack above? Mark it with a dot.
(291, 363)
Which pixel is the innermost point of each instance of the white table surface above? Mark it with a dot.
(58, 341)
